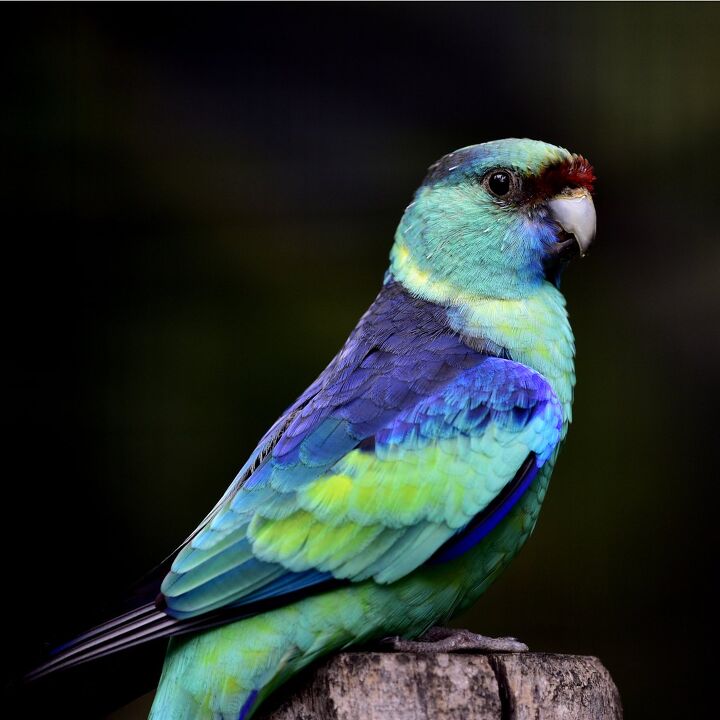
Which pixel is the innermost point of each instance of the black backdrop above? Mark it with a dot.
(198, 205)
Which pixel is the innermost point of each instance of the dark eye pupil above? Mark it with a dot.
(499, 183)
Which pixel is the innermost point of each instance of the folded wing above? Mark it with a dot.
(410, 447)
(330, 505)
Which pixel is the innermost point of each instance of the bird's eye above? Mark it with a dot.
(499, 183)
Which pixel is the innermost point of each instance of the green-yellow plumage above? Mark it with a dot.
(210, 675)
(363, 505)
(408, 475)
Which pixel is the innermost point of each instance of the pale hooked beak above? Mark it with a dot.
(574, 212)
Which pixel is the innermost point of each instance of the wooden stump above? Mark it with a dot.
(408, 686)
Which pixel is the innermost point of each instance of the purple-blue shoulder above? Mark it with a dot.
(402, 350)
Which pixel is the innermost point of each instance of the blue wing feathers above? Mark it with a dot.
(403, 387)
(490, 519)
(403, 380)
(288, 583)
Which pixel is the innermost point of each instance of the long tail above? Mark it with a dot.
(137, 626)
(142, 625)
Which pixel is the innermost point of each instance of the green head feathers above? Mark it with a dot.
(487, 222)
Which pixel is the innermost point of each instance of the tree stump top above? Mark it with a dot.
(409, 686)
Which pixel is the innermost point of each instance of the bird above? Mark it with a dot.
(402, 482)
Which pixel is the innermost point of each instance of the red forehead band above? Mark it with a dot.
(577, 172)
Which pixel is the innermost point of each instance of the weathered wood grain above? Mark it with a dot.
(407, 686)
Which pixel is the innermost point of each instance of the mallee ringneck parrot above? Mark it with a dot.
(402, 482)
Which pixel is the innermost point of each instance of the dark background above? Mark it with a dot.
(198, 206)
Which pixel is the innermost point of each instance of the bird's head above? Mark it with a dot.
(495, 220)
